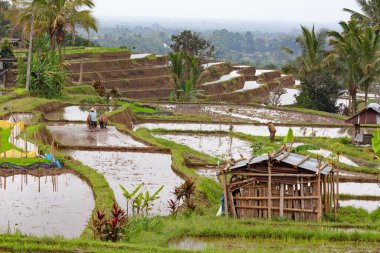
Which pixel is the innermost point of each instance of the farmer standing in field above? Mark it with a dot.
(93, 119)
(272, 131)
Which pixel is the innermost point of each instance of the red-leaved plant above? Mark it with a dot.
(109, 229)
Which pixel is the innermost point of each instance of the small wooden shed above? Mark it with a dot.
(369, 115)
(280, 184)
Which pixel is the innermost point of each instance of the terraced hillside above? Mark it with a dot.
(134, 75)
(147, 76)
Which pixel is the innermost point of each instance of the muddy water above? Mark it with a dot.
(18, 117)
(132, 169)
(253, 130)
(77, 113)
(80, 135)
(251, 113)
(62, 208)
(222, 147)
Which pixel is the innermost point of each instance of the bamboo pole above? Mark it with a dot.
(319, 201)
(281, 200)
(225, 194)
(231, 199)
(270, 164)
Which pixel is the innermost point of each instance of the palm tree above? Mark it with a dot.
(177, 69)
(313, 51)
(370, 15)
(54, 17)
(355, 50)
(369, 45)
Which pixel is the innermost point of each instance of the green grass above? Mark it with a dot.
(81, 89)
(5, 145)
(138, 109)
(23, 161)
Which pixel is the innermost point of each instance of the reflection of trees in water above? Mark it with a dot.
(25, 179)
(99, 109)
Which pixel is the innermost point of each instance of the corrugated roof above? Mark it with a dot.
(373, 106)
(310, 164)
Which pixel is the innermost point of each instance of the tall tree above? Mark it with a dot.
(370, 13)
(355, 51)
(313, 45)
(54, 16)
(191, 44)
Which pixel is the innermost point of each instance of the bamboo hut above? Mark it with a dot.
(280, 184)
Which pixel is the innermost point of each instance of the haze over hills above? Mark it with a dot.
(233, 25)
(241, 41)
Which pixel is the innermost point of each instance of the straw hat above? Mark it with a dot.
(92, 109)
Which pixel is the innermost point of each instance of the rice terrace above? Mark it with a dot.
(220, 131)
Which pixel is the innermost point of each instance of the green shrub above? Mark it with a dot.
(47, 76)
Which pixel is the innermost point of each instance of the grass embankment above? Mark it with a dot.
(19, 243)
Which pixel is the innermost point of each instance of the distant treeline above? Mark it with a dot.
(261, 49)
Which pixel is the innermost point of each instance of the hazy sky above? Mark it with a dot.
(284, 10)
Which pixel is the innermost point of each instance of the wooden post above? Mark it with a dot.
(270, 164)
(225, 193)
(319, 201)
(302, 200)
(325, 194)
(80, 72)
(232, 204)
(282, 200)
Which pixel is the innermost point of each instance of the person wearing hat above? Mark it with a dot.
(93, 119)
(272, 131)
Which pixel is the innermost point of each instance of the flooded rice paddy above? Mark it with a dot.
(328, 154)
(139, 56)
(249, 85)
(368, 205)
(360, 189)
(77, 113)
(290, 97)
(132, 169)
(45, 206)
(252, 130)
(80, 135)
(222, 147)
(224, 78)
(266, 245)
(248, 113)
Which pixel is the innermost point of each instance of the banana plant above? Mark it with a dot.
(148, 199)
(138, 202)
(376, 142)
(289, 138)
(129, 195)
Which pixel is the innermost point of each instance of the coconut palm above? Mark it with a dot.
(313, 51)
(370, 13)
(54, 16)
(355, 51)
